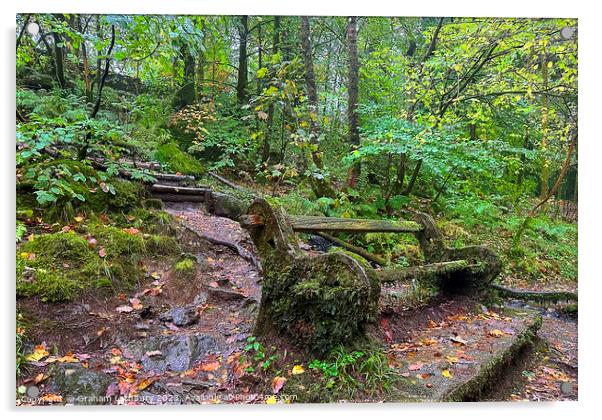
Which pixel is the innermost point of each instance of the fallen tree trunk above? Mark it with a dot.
(318, 224)
(355, 249)
(420, 272)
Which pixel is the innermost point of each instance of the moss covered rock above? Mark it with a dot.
(57, 266)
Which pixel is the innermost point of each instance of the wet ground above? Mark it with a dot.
(182, 340)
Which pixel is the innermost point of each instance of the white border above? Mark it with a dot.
(590, 155)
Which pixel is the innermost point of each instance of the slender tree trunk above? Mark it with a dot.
(265, 151)
(353, 97)
(545, 167)
(58, 59)
(550, 193)
(241, 86)
(320, 186)
(98, 60)
(411, 115)
(83, 151)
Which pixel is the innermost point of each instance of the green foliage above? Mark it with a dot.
(176, 160)
(256, 354)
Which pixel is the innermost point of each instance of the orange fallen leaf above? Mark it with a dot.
(277, 383)
(136, 304)
(209, 366)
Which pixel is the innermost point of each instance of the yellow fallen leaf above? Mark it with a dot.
(452, 359)
(497, 333)
(447, 374)
(78, 219)
(38, 354)
(298, 370)
(271, 400)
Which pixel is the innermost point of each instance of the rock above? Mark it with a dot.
(81, 386)
(177, 353)
(180, 316)
(200, 299)
(221, 293)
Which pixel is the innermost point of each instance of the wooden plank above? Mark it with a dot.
(180, 197)
(172, 189)
(172, 177)
(335, 224)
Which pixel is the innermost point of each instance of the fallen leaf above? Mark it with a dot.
(497, 333)
(446, 374)
(136, 304)
(452, 359)
(131, 230)
(278, 383)
(155, 275)
(458, 339)
(39, 352)
(153, 353)
(40, 377)
(416, 366)
(209, 366)
(78, 219)
(271, 400)
(298, 370)
(124, 309)
(102, 253)
(143, 384)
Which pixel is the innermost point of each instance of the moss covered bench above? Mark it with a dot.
(324, 300)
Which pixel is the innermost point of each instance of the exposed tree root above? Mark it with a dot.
(537, 296)
(233, 246)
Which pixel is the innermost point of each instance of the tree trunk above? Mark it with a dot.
(187, 93)
(58, 60)
(320, 186)
(550, 193)
(545, 167)
(241, 86)
(353, 97)
(265, 151)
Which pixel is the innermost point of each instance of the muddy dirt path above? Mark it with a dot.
(174, 340)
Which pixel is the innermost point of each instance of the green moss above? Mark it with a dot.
(185, 268)
(58, 266)
(55, 266)
(319, 302)
(178, 161)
